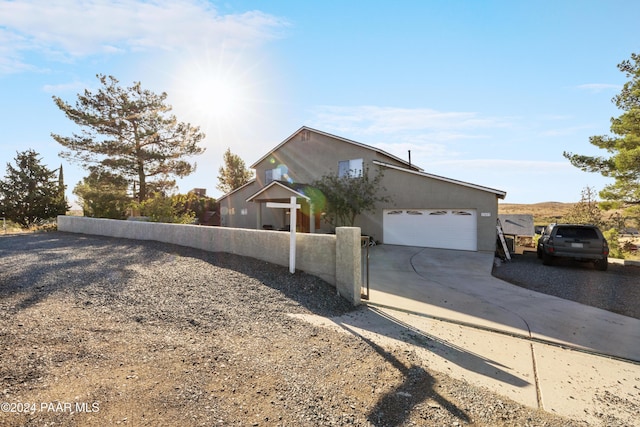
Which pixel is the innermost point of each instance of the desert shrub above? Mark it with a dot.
(613, 236)
(160, 208)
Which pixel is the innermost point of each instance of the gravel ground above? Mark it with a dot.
(100, 331)
(616, 290)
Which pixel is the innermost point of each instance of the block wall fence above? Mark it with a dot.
(334, 258)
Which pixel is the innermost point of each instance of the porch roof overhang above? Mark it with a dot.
(276, 191)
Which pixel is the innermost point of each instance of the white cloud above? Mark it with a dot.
(76, 87)
(10, 44)
(506, 166)
(567, 131)
(419, 150)
(63, 29)
(421, 123)
(599, 87)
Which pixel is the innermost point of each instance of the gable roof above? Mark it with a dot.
(348, 141)
(291, 189)
(224, 196)
(501, 194)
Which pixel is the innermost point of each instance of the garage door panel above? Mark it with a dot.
(437, 228)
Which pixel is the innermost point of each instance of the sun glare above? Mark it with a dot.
(214, 94)
(217, 97)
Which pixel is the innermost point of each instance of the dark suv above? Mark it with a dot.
(579, 242)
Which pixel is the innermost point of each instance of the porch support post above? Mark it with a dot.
(312, 219)
(259, 216)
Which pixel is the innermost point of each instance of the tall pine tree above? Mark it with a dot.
(130, 132)
(623, 165)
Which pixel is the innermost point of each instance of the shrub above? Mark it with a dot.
(615, 251)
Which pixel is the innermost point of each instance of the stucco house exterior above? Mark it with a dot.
(425, 210)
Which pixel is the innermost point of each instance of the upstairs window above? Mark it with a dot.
(352, 168)
(274, 174)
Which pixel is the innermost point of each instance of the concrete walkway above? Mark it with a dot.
(539, 350)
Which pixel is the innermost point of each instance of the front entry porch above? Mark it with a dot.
(307, 220)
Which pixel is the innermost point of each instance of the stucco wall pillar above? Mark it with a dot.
(348, 263)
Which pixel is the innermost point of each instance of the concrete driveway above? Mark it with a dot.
(540, 350)
(458, 286)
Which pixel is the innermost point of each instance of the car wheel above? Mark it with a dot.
(602, 264)
(547, 259)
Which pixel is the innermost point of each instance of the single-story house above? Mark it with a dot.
(425, 210)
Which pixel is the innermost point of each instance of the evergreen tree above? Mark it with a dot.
(61, 186)
(129, 132)
(233, 174)
(30, 191)
(624, 163)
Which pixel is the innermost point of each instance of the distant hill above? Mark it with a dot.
(547, 212)
(543, 213)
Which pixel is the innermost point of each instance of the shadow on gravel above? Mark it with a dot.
(393, 408)
(34, 266)
(455, 354)
(307, 290)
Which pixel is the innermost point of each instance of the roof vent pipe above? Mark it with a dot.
(409, 158)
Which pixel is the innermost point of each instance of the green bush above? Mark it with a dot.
(615, 251)
(160, 208)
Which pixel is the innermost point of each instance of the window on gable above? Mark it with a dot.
(274, 174)
(352, 168)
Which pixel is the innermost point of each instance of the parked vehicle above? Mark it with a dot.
(575, 241)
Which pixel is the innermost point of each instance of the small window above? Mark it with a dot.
(461, 213)
(244, 211)
(352, 168)
(274, 174)
(414, 213)
(438, 213)
(394, 213)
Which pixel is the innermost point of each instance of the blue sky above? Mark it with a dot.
(489, 92)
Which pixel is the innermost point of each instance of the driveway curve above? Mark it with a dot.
(457, 286)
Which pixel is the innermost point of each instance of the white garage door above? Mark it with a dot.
(433, 228)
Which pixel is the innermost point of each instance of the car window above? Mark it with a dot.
(577, 233)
